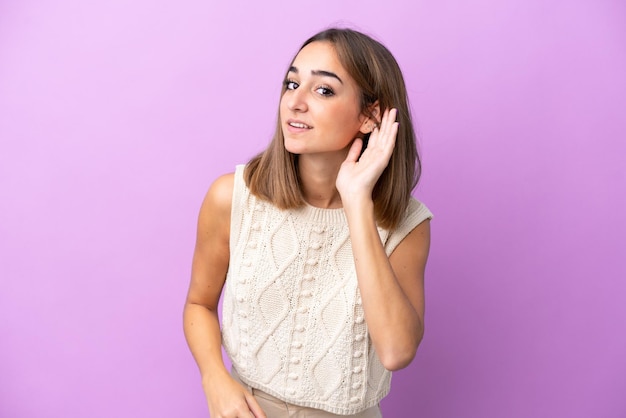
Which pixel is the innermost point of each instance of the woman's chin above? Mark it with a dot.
(294, 147)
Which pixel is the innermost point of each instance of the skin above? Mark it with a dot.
(332, 176)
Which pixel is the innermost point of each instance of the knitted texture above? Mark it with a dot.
(293, 324)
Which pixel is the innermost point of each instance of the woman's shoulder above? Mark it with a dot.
(223, 185)
(219, 196)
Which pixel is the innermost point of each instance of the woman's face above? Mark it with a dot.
(319, 111)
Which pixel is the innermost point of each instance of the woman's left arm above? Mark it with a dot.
(392, 288)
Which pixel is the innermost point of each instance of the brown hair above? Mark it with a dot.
(272, 175)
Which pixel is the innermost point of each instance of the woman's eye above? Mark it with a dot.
(325, 91)
(291, 85)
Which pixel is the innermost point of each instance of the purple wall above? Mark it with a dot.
(116, 116)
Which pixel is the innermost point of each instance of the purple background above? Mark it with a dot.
(116, 116)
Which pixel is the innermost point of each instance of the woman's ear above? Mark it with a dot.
(371, 118)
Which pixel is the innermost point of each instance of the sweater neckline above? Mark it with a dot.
(323, 215)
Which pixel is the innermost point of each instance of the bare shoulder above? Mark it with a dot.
(415, 246)
(214, 217)
(408, 262)
(220, 194)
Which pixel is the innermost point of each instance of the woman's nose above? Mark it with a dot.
(296, 100)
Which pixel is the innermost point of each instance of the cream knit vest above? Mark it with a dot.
(293, 325)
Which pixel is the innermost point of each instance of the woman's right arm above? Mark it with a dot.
(225, 396)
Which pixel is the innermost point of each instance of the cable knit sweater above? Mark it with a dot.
(293, 324)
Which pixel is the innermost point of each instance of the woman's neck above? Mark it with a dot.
(318, 175)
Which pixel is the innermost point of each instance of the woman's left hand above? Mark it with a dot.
(358, 176)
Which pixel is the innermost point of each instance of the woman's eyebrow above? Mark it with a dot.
(323, 73)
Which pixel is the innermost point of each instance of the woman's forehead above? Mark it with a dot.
(318, 56)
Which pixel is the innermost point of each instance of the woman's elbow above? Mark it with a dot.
(399, 356)
(397, 361)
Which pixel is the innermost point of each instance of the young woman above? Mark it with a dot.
(319, 244)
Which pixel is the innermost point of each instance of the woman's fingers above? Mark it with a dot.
(360, 172)
(383, 137)
(355, 150)
(254, 406)
(389, 125)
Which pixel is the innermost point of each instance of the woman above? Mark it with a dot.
(320, 245)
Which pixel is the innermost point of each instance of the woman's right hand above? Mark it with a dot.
(227, 398)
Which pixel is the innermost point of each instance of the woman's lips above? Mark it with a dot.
(296, 126)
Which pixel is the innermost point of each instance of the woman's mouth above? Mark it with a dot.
(298, 125)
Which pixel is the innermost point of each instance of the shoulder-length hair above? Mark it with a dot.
(273, 175)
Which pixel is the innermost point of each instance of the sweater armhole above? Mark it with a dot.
(416, 213)
(239, 188)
